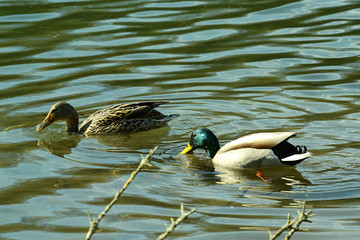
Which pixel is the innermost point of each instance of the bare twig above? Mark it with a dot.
(303, 217)
(95, 223)
(173, 225)
(292, 225)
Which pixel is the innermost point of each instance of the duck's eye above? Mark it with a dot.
(54, 110)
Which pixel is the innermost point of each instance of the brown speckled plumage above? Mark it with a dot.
(122, 118)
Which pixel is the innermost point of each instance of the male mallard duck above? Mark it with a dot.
(122, 118)
(251, 151)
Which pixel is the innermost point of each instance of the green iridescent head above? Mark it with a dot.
(205, 139)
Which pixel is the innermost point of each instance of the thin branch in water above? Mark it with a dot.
(173, 225)
(292, 225)
(95, 223)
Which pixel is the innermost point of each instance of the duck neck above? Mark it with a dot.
(72, 122)
(212, 148)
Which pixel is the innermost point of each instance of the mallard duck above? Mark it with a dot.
(122, 118)
(251, 151)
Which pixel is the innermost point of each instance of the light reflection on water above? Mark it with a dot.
(234, 67)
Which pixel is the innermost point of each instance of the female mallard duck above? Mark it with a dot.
(122, 118)
(251, 151)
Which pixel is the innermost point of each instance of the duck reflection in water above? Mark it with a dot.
(282, 179)
(60, 144)
(59, 147)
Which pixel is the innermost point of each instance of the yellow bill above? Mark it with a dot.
(187, 149)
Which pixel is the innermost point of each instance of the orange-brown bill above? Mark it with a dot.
(44, 124)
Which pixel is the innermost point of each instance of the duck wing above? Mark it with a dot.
(121, 112)
(258, 141)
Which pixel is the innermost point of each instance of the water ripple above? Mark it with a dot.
(31, 17)
(235, 67)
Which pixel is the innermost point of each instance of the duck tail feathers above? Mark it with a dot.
(295, 159)
(168, 118)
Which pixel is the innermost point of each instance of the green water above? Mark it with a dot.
(236, 67)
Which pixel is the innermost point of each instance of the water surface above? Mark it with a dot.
(235, 67)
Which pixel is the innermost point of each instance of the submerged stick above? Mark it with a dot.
(95, 223)
(173, 225)
(292, 225)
